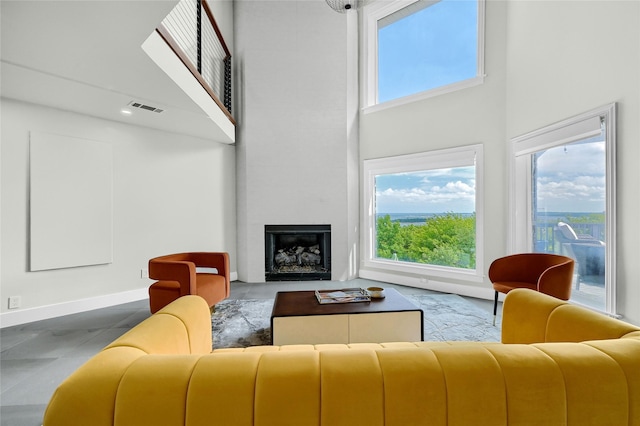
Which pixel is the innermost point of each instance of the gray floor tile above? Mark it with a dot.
(22, 415)
(97, 319)
(37, 388)
(238, 290)
(14, 371)
(49, 344)
(96, 343)
(12, 336)
(134, 319)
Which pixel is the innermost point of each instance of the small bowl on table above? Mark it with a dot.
(376, 292)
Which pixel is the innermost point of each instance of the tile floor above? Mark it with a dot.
(36, 357)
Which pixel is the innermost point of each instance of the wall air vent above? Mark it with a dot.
(145, 107)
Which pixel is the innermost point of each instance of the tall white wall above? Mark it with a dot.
(297, 137)
(470, 116)
(545, 61)
(171, 193)
(565, 58)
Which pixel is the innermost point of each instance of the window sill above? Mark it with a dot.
(454, 87)
(423, 270)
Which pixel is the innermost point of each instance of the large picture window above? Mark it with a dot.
(424, 213)
(563, 200)
(416, 49)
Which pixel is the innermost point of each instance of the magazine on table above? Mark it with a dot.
(346, 295)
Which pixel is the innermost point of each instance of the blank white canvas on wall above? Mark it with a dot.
(71, 201)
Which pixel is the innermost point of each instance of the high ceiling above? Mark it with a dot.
(86, 57)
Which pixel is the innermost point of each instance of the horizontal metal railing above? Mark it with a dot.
(546, 240)
(193, 34)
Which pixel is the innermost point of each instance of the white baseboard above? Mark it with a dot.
(23, 316)
(444, 287)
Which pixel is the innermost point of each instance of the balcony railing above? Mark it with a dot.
(193, 34)
(547, 241)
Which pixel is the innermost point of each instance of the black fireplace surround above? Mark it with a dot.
(297, 252)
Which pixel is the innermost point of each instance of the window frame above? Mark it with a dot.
(375, 11)
(520, 204)
(431, 160)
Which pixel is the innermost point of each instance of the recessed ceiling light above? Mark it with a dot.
(125, 111)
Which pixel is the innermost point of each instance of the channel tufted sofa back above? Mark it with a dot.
(558, 365)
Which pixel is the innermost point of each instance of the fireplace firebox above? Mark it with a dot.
(297, 252)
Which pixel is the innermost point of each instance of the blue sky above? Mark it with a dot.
(433, 191)
(437, 46)
(430, 48)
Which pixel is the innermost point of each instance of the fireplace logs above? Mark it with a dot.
(298, 256)
(297, 252)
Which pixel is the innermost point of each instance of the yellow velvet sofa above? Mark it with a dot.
(558, 364)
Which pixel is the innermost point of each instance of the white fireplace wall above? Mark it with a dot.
(297, 135)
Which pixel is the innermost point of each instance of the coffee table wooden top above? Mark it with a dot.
(304, 303)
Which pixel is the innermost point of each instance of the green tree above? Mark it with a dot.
(445, 240)
(389, 237)
(590, 218)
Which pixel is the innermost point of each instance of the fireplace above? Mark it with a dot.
(297, 252)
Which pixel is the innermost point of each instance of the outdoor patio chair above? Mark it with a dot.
(587, 251)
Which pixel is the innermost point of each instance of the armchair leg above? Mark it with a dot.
(495, 307)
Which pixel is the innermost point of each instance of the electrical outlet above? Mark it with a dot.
(14, 302)
(144, 273)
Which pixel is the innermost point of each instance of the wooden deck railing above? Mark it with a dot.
(192, 33)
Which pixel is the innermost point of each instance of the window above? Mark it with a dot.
(422, 48)
(563, 200)
(423, 213)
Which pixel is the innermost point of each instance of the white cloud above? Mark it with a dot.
(451, 189)
(572, 178)
(451, 192)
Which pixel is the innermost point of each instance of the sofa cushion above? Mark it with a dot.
(89, 394)
(570, 323)
(193, 312)
(596, 390)
(535, 392)
(533, 317)
(289, 376)
(627, 356)
(154, 390)
(228, 379)
(182, 327)
(479, 384)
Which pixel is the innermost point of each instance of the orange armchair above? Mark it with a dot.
(177, 276)
(551, 274)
